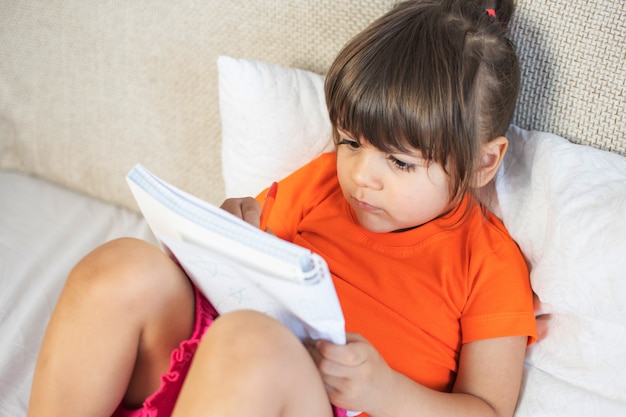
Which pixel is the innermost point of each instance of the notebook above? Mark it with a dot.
(238, 266)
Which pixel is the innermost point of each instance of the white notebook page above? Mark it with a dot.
(238, 266)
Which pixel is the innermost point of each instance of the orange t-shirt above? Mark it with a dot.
(417, 295)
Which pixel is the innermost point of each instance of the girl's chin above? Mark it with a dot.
(374, 223)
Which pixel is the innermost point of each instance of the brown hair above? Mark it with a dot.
(439, 76)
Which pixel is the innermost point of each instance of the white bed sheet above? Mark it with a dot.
(44, 231)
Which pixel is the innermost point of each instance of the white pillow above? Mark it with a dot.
(274, 120)
(564, 204)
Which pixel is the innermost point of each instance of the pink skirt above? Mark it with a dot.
(161, 402)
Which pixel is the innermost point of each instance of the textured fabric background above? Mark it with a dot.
(573, 57)
(89, 88)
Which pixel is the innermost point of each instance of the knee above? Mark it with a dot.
(250, 335)
(117, 261)
(130, 269)
(250, 351)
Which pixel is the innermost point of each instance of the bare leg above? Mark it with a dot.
(123, 309)
(249, 364)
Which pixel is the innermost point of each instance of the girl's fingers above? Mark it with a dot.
(246, 208)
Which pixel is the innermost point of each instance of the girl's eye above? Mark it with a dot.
(351, 143)
(401, 165)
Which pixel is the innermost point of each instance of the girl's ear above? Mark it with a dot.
(491, 156)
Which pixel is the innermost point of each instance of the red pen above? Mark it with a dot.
(267, 206)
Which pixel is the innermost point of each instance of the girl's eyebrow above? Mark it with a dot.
(414, 153)
(413, 156)
(344, 132)
(348, 135)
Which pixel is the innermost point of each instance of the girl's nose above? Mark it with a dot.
(366, 171)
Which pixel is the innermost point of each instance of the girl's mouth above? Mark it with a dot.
(362, 205)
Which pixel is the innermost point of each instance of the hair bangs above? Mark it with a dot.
(392, 97)
(381, 105)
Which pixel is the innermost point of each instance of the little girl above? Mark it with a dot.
(435, 292)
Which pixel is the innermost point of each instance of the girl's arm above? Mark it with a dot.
(488, 380)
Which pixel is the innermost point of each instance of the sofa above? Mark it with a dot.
(219, 98)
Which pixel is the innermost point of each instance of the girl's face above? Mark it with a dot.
(390, 192)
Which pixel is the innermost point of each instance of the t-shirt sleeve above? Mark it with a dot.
(500, 301)
(298, 193)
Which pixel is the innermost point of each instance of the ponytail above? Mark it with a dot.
(500, 10)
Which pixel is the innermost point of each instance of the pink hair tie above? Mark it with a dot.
(491, 13)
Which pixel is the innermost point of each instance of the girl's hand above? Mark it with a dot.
(246, 208)
(355, 375)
